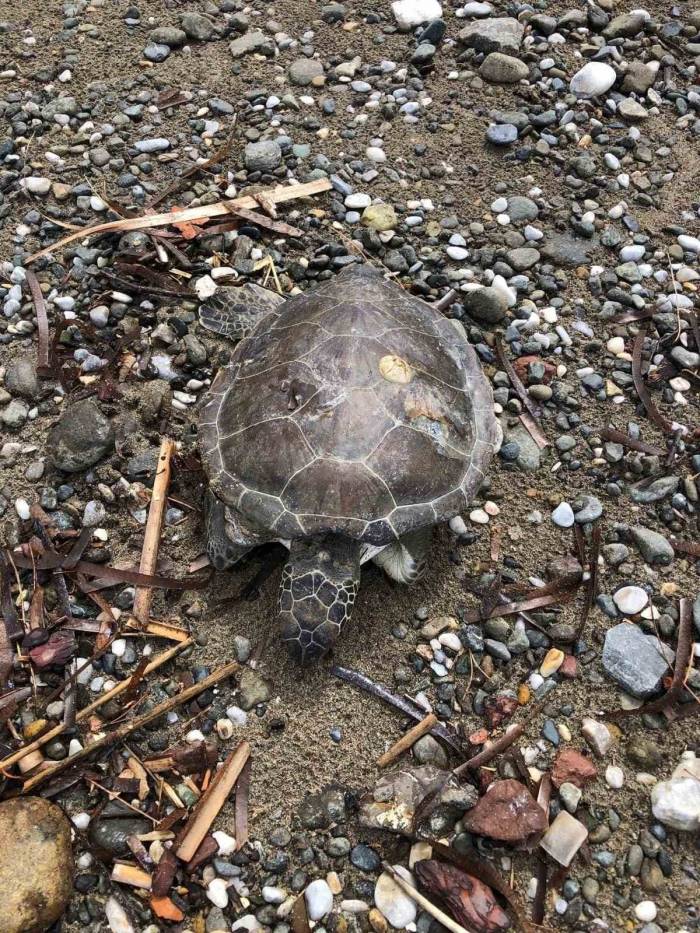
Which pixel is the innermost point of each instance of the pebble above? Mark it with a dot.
(630, 600)
(319, 899)
(563, 515)
(645, 911)
(637, 662)
(594, 79)
(396, 906)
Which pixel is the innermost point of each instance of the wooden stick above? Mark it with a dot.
(423, 902)
(154, 524)
(131, 874)
(221, 208)
(157, 662)
(159, 630)
(208, 807)
(407, 740)
(138, 722)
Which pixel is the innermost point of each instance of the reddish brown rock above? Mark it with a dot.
(507, 812)
(467, 899)
(569, 668)
(572, 767)
(499, 709)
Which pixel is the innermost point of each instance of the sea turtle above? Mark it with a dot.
(350, 421)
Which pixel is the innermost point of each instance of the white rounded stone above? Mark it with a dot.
(645, 911)
(630, 599)
(319, 899)
(593, 79)
(614, 777)
(396, 906)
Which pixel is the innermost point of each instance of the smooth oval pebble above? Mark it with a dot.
(645, 911)
(398, 908)
(630, 599)
(593, 79)
(563, 515)
(319, 899)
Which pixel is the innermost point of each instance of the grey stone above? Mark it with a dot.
(686, 359)
(638, 78)
(587, 509)
(255, 41)
(624, 26)
(653, 546)
(168, 35)
(529, 454)
(304, 70)
(503, 69)
(156, 51)
(486, 305)
(637, 662)
(564, 250)
(615, 553)
(81, 437)
(15, 414)
(198, 27)
(252, 689)
(498, 34)
(428, 751)
(263, 156)
(502, 134)
(660, 489)
(521, 209)
(523, 257)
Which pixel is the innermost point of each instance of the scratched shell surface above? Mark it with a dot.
(307, 430)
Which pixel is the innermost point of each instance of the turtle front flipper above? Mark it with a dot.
(317, 593)
(406, 560)
(223, 553)
(235, 311)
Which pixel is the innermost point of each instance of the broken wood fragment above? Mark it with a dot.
(240, 809)
(43, 364)
(441, 917)
(154, 525)
(211, 802)
(407, 740)
(136, 877)
(277, 195)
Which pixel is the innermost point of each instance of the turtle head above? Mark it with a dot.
(319, 584)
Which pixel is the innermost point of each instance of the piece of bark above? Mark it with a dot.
(469, 900)
(164, 874)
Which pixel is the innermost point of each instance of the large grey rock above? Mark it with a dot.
(503, 69)
(21, 378)
(254, 41)
(487, 305)
(500, 34)
(637, 662)
(529, 454)
(263, 156)
(625, 26)
(654, 547)
(197, 26)
(36, 865)
(304, 70)
(81, 437)
(644, 494)
(564, 250)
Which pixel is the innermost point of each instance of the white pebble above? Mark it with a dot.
(479, 517)
(194, 736)
(645, 911)
(81, 820)
(630, 599)
(273, 895)
(22, 509)
(226, 843)
(237, 716)
(614, 777)
(319, 899)
(217, 892)
(616, 345)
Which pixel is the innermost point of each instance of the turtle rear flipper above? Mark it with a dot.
(235, 311)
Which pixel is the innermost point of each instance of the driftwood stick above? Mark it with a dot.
(132, 875)
(154, 525)
(157, 662)
(138, 722)
(423, 902)
(211, 803)
(407, 740)
(221, 208)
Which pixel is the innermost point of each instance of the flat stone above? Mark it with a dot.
(496, 34)
(81, 437)
(564, 838)
(637, 662)
(506, 812)
(304, 70)
(503, 69)
(36, 864)
(255, 41)
(263, 156)
(502, 134)
(653, 546)
(486, 305)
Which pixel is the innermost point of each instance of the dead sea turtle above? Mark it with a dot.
(351, 420)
